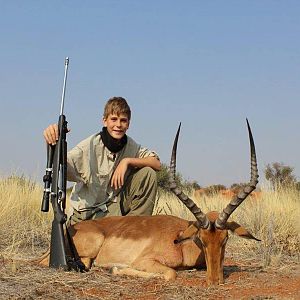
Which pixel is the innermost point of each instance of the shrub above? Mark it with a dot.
(163, 178)
(280, 175)
(214, 189)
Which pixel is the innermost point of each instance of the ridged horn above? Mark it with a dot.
(244, 192)
(202, 220)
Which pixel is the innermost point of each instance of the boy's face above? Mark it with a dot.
(117, 125)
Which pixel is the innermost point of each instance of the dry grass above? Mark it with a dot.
(25, 232)
(22, 225)
(274, 219)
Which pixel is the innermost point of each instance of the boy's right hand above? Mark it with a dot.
(51, 134)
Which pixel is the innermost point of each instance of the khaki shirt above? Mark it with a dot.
(91, 165)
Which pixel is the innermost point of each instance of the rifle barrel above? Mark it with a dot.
(64, 86)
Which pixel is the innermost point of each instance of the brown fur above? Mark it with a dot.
(145, 245)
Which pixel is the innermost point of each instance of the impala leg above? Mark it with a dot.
(87, 244)
(87, 261)
(146, 270)
(44, 259)
(117, 270)
(152, 266)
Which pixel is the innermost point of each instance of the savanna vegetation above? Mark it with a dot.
(274, 218)
(256, 270)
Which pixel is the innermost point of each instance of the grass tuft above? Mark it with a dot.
(23, 227)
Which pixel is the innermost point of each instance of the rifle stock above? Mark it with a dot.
(58, 198)
(58, 258)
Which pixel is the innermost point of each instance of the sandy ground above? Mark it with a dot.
(245, 279)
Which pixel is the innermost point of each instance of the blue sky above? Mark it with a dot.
(208, 64)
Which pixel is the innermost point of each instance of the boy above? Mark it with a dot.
(113, 175)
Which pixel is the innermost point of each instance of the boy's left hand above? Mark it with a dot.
(117, 179)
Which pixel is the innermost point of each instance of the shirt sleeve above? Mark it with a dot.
(74, 167)
(144, 152)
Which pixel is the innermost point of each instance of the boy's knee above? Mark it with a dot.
(149, 171)
(144, 179)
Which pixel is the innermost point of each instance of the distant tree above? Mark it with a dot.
(236, 187)
(163, 178)
(195, 185)
(190, 186)
(280, 175)
(214, 189)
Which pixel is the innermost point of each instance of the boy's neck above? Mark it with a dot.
(112, 144)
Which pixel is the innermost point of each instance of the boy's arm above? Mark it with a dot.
(150, 161)
(117, 179)
(74, 166)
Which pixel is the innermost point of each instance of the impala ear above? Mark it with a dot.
(240, 231)
(186, 234)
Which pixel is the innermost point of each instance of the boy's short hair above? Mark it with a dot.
(117, 106)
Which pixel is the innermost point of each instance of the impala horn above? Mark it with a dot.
(244, 192)
(202, 220)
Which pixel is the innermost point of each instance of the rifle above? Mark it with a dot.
(55, 183)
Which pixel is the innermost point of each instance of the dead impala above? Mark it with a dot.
(149, 246)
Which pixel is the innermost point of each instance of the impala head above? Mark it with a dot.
(210, 231)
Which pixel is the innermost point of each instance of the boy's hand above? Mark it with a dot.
(117, 179)
(51, 134)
